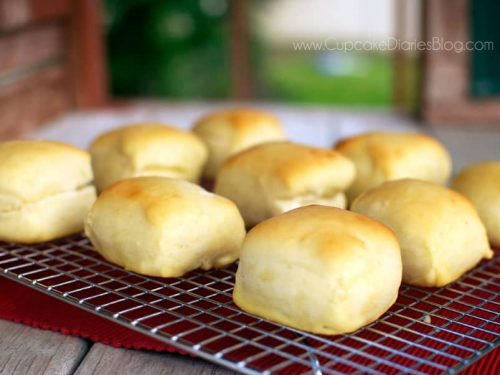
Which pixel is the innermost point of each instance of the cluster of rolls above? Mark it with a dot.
(307, 261)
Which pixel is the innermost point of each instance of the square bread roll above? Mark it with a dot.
(439, 230)
(228, 132)
(272, 178)
(481, 184)
(320, 269)
(164, 227)
(148, 149)
(45, 190)
(381, 157)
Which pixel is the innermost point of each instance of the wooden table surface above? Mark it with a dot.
(26, 350)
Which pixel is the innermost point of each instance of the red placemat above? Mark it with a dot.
(24, 305)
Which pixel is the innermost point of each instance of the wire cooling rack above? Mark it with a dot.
(439, 330)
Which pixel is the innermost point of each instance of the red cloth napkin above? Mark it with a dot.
(22, 304)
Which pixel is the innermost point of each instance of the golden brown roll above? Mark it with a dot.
(164, 227)
(230, 131)
(481, 184)
(148, 149)
(45, 190)
(381, 157)
(439, 230)
(272, 178)
(320, 269)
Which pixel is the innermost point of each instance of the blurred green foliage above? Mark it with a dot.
(180, 49)
(168, 48)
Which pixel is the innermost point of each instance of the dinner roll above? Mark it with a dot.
(45, 190)
(439, 230)
(481, 184)
(227, 132)
(148, 149)
(320, 269)
(269, 179)
(164, 227)
(381, 157)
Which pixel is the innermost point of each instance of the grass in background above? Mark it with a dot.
(173, 49)
(299, 78)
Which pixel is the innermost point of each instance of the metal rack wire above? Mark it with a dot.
(426, 331)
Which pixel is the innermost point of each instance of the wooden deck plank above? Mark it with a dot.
(27, 350)
(103, 360)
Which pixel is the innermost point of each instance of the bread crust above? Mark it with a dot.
(147, 149)
(439, 230)
(45, 190)
(320, 269)
(271, 178)
(481, 184)
(164, 227)
(385, 156)
(228, 132)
